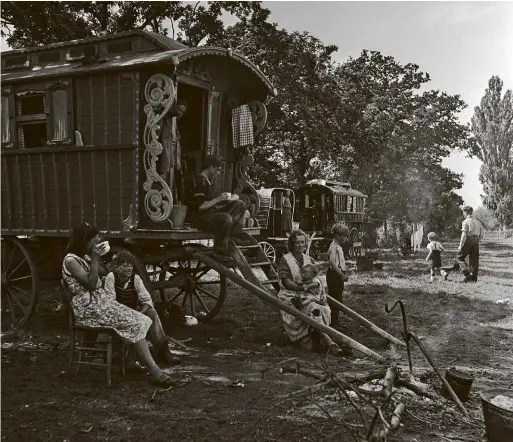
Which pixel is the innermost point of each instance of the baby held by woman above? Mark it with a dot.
(313, 288)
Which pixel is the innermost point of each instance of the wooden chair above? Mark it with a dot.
(88, 350)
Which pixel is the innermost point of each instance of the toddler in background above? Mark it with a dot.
(434, 257)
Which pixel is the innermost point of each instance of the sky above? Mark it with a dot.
(460, 44)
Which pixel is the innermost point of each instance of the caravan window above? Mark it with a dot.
(42, 114)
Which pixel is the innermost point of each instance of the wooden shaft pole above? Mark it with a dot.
(262, 294)
(365, 322)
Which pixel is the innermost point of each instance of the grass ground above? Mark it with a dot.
(227, 399)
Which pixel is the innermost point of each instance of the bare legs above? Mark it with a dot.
(141, 347)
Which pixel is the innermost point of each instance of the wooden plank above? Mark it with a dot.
(107, 186)
(61, 149)
(8, 188)
(91, 95)
(81, 187)
(93, 183)
(120, 163)
(57, 202)
(43, 189)
(105, 119)
(68, 188)
(274, 301)
(18, 175)
(119, 110)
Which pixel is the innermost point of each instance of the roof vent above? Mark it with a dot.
(119, 47)
(82, 52)
(17, 61)
(49, 57)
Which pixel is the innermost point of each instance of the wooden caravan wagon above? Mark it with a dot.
(271, 221)
(86, 125)
(321, 204)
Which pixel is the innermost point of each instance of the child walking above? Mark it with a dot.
(434, 257)
(336, 274)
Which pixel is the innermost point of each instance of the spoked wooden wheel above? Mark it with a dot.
(20, 283)
(269, 251)
(197, 289)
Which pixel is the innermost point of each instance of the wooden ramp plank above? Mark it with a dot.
(258, 290)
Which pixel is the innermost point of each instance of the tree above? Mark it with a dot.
(492, 126)
(304, 129)
(487, 218)
(399, 136)
(58, 21)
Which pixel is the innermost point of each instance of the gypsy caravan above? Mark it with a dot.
(322, 203)
(91, 133)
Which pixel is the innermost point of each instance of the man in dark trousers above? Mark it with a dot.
(221, 215)
(471, 233)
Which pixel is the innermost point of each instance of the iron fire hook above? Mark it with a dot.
(405, 334)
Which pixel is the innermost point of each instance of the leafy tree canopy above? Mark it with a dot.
(492, 126)
(61, 21)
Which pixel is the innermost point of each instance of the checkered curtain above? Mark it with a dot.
(242, 127)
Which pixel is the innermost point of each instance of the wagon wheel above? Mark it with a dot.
(197, 289)
(20, 282)
(269, 251)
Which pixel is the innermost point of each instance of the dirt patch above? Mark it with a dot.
(227, 399)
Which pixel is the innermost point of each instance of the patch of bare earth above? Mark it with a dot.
(227, 399)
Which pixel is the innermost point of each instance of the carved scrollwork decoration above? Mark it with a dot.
(259, 115)
(159, 93)
(195, 69)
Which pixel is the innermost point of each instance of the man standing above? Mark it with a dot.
(221, 215)
(471, 233)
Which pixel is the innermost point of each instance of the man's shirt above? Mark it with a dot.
(472, 227)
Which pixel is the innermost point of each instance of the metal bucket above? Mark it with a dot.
(498, 420)
(460, 383)
(177, 217)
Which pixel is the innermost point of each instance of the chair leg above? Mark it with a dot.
(79, 357)
(109, 360)
(123, 357)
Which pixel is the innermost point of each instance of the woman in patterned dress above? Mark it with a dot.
(291, 285)
(94, 307)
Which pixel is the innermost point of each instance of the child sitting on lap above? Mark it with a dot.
(128, 288)
(314, 290)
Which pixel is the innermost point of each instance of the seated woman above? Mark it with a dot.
(291, 284)
(94, 307)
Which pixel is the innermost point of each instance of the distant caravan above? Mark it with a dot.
(322, 203)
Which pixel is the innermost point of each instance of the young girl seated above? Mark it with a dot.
(128, 289)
